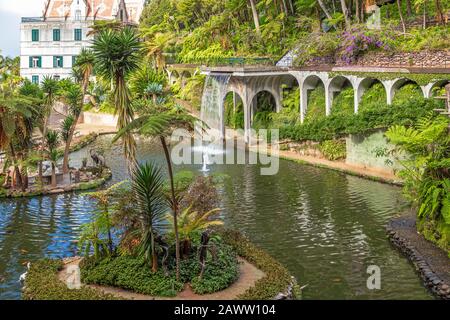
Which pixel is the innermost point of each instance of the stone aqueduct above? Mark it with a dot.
(247, 84)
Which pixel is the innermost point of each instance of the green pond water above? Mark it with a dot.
(326, 227)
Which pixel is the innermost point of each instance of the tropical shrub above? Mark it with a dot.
(357, 41)
(426, 173)
(339, 125)
(202, 195)
(333, 149)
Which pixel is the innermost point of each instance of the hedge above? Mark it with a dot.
(277, 278)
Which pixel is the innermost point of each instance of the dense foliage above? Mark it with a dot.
(192, 31)
(426, 173)
(42, 283)
(339, 125)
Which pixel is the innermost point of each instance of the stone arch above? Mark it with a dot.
(288, 83)
(309, 83)
(400, 83)
(174, 76)
(237, 100)
(428, 89)
(184, 75)
(335, 86)
(364, 85)
(254, 107)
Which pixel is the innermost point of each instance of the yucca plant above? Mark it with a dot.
(116, 55)
(52, 142)
(72, 94)
(66, 126)
(147, 185)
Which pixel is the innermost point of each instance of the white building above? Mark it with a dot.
(49, 44)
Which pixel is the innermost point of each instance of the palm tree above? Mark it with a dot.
(160, 125)
(17, 120)
(116, 56)
(154, 46)
(66, 127)
(85, 65)
(73, 96)
(255, 16)
(147, 185)
(50, 89)
(52, 142)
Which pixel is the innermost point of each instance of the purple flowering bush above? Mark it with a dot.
(357, 41)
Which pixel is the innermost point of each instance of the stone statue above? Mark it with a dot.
(98, 159)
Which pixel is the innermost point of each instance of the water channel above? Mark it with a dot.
(326, 227)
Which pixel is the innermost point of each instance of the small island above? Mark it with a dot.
(129, 249)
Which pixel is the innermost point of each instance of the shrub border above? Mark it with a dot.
(277, 278)
(42, 282)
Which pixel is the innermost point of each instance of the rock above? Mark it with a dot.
(280, 296)
(55, 191)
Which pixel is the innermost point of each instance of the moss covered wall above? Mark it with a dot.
(362, 150)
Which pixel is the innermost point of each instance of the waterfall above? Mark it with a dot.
(215, 86)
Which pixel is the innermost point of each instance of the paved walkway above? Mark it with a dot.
(249, 274)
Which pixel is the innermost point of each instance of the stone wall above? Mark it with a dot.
(425, 59)
(100, 119)
(362, 151)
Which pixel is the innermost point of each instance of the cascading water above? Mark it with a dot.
(213, 92)
(215, 86)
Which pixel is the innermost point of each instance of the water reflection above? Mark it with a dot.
(326, 227)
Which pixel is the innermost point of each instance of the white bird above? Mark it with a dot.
(24, 275)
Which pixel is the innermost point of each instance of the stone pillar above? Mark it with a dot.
(328, 98)
(356, 100)
(427, 90)
(303, 102)
(222, 118)
(388, 85)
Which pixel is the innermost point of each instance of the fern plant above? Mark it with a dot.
(427, 173)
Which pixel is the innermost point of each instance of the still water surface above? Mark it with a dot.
(326, 227)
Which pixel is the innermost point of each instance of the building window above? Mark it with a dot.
(35, 62)
(35, 35)
(77, 35)
(58, 62)
(35, 79)
(56, 35)
(56, 77)
(74, 60)
(78, 15)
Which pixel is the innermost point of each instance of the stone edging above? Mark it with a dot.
(437, 284)
(82, 143)
(346, 171)
(93, 184)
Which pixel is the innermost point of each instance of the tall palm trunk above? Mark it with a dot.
(53, 175)
(255, 17)
(324, 9)
(125, 116)
(154, 255)
(399, 6)
(44, 133)
(345, 12)
(408, 8)
(439, 13)
(174, 205)
(68, 143)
